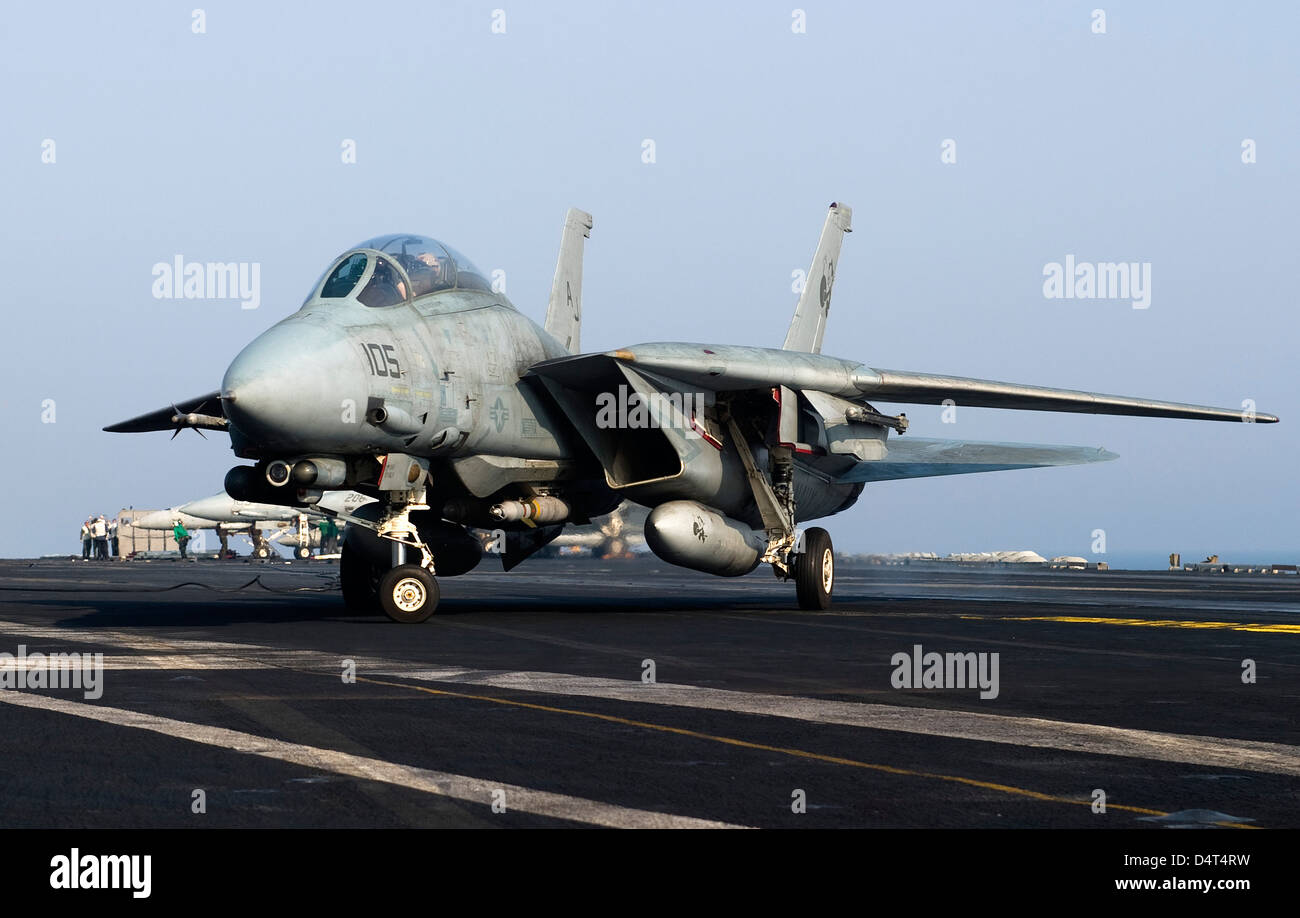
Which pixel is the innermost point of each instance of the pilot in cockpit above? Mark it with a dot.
(427, 273)
(386, 276)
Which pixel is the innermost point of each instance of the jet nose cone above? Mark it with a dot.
(210, 508)
(158, 519)
(291, 387)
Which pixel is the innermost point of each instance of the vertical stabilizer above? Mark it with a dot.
(809, 323)
(564, 315)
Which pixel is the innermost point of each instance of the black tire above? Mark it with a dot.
(302, 553)
(408, 594)
(262, 552)
(814, 570)
(360, 581)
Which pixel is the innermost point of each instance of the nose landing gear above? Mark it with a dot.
(408, 593)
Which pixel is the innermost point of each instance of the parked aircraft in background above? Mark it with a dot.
(226, 515)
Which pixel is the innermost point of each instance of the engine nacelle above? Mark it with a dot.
(689, 534)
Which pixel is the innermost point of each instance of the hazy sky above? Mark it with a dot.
(1127, 145)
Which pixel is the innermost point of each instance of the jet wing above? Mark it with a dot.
(929, 389)
(724, 368)
(913, 457)
(205, 407)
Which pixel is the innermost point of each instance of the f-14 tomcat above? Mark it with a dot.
(406, 377)
(225, 515)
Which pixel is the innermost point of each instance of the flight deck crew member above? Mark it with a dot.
(182, 538)
(328, 533)
(86, 539)
(112, 538)
(99, 529)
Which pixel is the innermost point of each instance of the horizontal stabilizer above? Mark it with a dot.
(165, 418)
(911, 457)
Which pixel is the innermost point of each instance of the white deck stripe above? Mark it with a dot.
(446, 784)
(1093, 739)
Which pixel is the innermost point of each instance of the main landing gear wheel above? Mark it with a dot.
(302, 554)
(814, 570)
(408, 594)
(261, 552)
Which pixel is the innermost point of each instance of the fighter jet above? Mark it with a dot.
(406, 377)
(225, 515)
(222, 525)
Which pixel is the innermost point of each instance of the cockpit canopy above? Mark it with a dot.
(388, 270)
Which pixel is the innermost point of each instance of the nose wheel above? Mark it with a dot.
(408, 594)
(814, 571)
